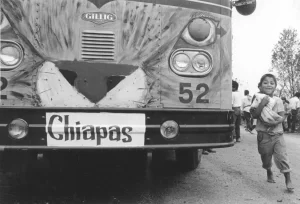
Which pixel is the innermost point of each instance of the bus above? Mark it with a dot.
(112, 75)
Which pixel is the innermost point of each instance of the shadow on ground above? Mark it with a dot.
(90, 181)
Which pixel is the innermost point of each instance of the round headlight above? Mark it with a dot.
(202, 63)
(10, 55)
(18, 129)
(169, 129)
(181, 62)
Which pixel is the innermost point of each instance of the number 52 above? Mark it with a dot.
(184, 89)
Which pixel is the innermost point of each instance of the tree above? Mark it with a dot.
(286, 62)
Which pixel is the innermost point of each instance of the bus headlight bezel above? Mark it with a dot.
(18, 129)
(169, 129)
(176, 61)
(207, 57)
(191, 69)
(7, 64)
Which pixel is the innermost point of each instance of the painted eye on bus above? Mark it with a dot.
(200, 32)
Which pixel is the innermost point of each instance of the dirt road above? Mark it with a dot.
(232, 175)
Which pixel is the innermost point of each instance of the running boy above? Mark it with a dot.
(272, 143)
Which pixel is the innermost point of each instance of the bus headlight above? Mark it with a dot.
(181, 62)
(202, 63)
(11, 54)
(169, 129)
(191, 62)
(18, 128)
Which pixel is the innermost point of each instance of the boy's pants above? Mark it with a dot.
(269, 146)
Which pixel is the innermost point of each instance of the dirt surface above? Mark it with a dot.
(232, 175)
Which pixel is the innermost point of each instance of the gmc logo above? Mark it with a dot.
(99, 17)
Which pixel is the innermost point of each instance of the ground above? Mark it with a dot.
(231, 175)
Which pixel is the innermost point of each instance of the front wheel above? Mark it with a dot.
(188, 159)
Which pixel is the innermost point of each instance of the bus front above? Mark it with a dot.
(116, 74)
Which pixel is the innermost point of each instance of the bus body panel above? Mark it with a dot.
(58, 69)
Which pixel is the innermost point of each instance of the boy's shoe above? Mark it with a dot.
(238, 140)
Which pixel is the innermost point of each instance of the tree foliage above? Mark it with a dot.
(286, 62)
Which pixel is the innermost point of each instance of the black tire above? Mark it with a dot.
(188, 159)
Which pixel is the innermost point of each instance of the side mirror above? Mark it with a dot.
(245, 7)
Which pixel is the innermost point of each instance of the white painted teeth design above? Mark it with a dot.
(55, 91)
(130, 92)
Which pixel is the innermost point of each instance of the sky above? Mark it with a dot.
(255, 36)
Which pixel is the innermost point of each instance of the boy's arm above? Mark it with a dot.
(281, 111)
(257, 111)
(283, 115)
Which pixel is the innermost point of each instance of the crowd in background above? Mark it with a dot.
(291, 106)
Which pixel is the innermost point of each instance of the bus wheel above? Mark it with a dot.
(188, 159)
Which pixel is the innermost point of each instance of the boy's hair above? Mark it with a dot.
(297, 94)
(246, 92)
(265, 76)
(235, 85)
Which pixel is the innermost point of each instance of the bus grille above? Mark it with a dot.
(98, 45)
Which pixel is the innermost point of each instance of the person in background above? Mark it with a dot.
(272, 144)
(287, 112)
(294, 106)
(236, 106)
(246, 103)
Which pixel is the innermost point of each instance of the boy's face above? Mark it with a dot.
(268, 86)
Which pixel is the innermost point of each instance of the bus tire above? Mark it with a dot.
(188, 159)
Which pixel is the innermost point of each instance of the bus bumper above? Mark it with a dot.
(198, 129)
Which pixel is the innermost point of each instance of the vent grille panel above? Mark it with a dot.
(98, 45)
